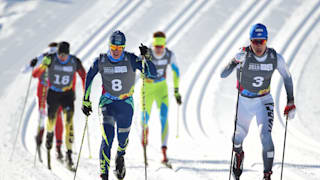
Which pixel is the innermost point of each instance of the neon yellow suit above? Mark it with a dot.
(157, 90)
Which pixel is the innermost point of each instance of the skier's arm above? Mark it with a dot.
(89, 78)
(43, 66)
(237, 59)
(175, 71)
(33, 63)
(82, 72)
(286, 76)
(149, 69)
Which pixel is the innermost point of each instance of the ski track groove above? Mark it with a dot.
(119, 23)
(290, 61)
(292, 56)
(218, 62)
(198, 73)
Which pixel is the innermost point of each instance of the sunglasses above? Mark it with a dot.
(259, 41)
(159, 47)
(62, 54)
(117, 47)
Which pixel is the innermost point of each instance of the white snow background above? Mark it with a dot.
(204, 34)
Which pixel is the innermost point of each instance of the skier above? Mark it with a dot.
(42, 96)
(117, 69)
(157, 89)
(62, 68)
(255, 66)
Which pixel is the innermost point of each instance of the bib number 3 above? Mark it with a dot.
(259, 81)
(116, 85)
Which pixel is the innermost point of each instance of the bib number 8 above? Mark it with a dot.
(116, 85)
(259, 81)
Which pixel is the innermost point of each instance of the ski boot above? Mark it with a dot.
(104, 176)
(69, 160)
(165, 160)
(238, 165)
(59, 154)
(267, 175)
(120, 170)
(143, 140)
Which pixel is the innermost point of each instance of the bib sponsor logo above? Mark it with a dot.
(161, 62)
(115, 70)
(63, 68)
(260, 67)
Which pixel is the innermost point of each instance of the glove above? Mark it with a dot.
(86, 107)
(33, 62)
(46, 61)
(145, 51)
(290, 110)
(240, 56)
(177, 96)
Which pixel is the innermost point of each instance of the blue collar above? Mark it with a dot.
(63, 62)
(113, 59)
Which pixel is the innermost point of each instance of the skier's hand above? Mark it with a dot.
(177, 96)
(46, 61)
(290, 110)
(33, 62)
(86, 107)
(240, 56)
(145, 51)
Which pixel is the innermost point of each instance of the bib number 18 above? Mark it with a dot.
(116, 85)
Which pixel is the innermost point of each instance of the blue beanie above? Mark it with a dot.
(258, 31)
(118, 38)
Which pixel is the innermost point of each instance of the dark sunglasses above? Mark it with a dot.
(63, 54)
(259, 41)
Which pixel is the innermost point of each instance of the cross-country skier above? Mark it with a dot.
(62, 68)
(258, 62)
(157, 89)
(117, 69)
(42, 89)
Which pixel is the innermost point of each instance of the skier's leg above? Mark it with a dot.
(59, 128)
(107, 129)
(244, 118)
(265, 123)
(42, 95)
(243, 122)
(163, 105)
(68, 111)
(123, 116)
(53, 104)
(149, 98)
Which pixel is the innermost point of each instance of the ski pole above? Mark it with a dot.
(178, 121)
(84, 132)
(284, 145)
(144, 119)
(21, 116)
(88, 137)
(235, 121)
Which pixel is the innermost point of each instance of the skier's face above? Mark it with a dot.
(259, 46)
(63, 56)
(159, 50)
(116, 51)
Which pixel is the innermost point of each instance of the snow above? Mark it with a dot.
(204, 35)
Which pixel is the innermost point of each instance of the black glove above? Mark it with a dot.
(177, 96)
(33, 62)
(86, 107)
(144, 51)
